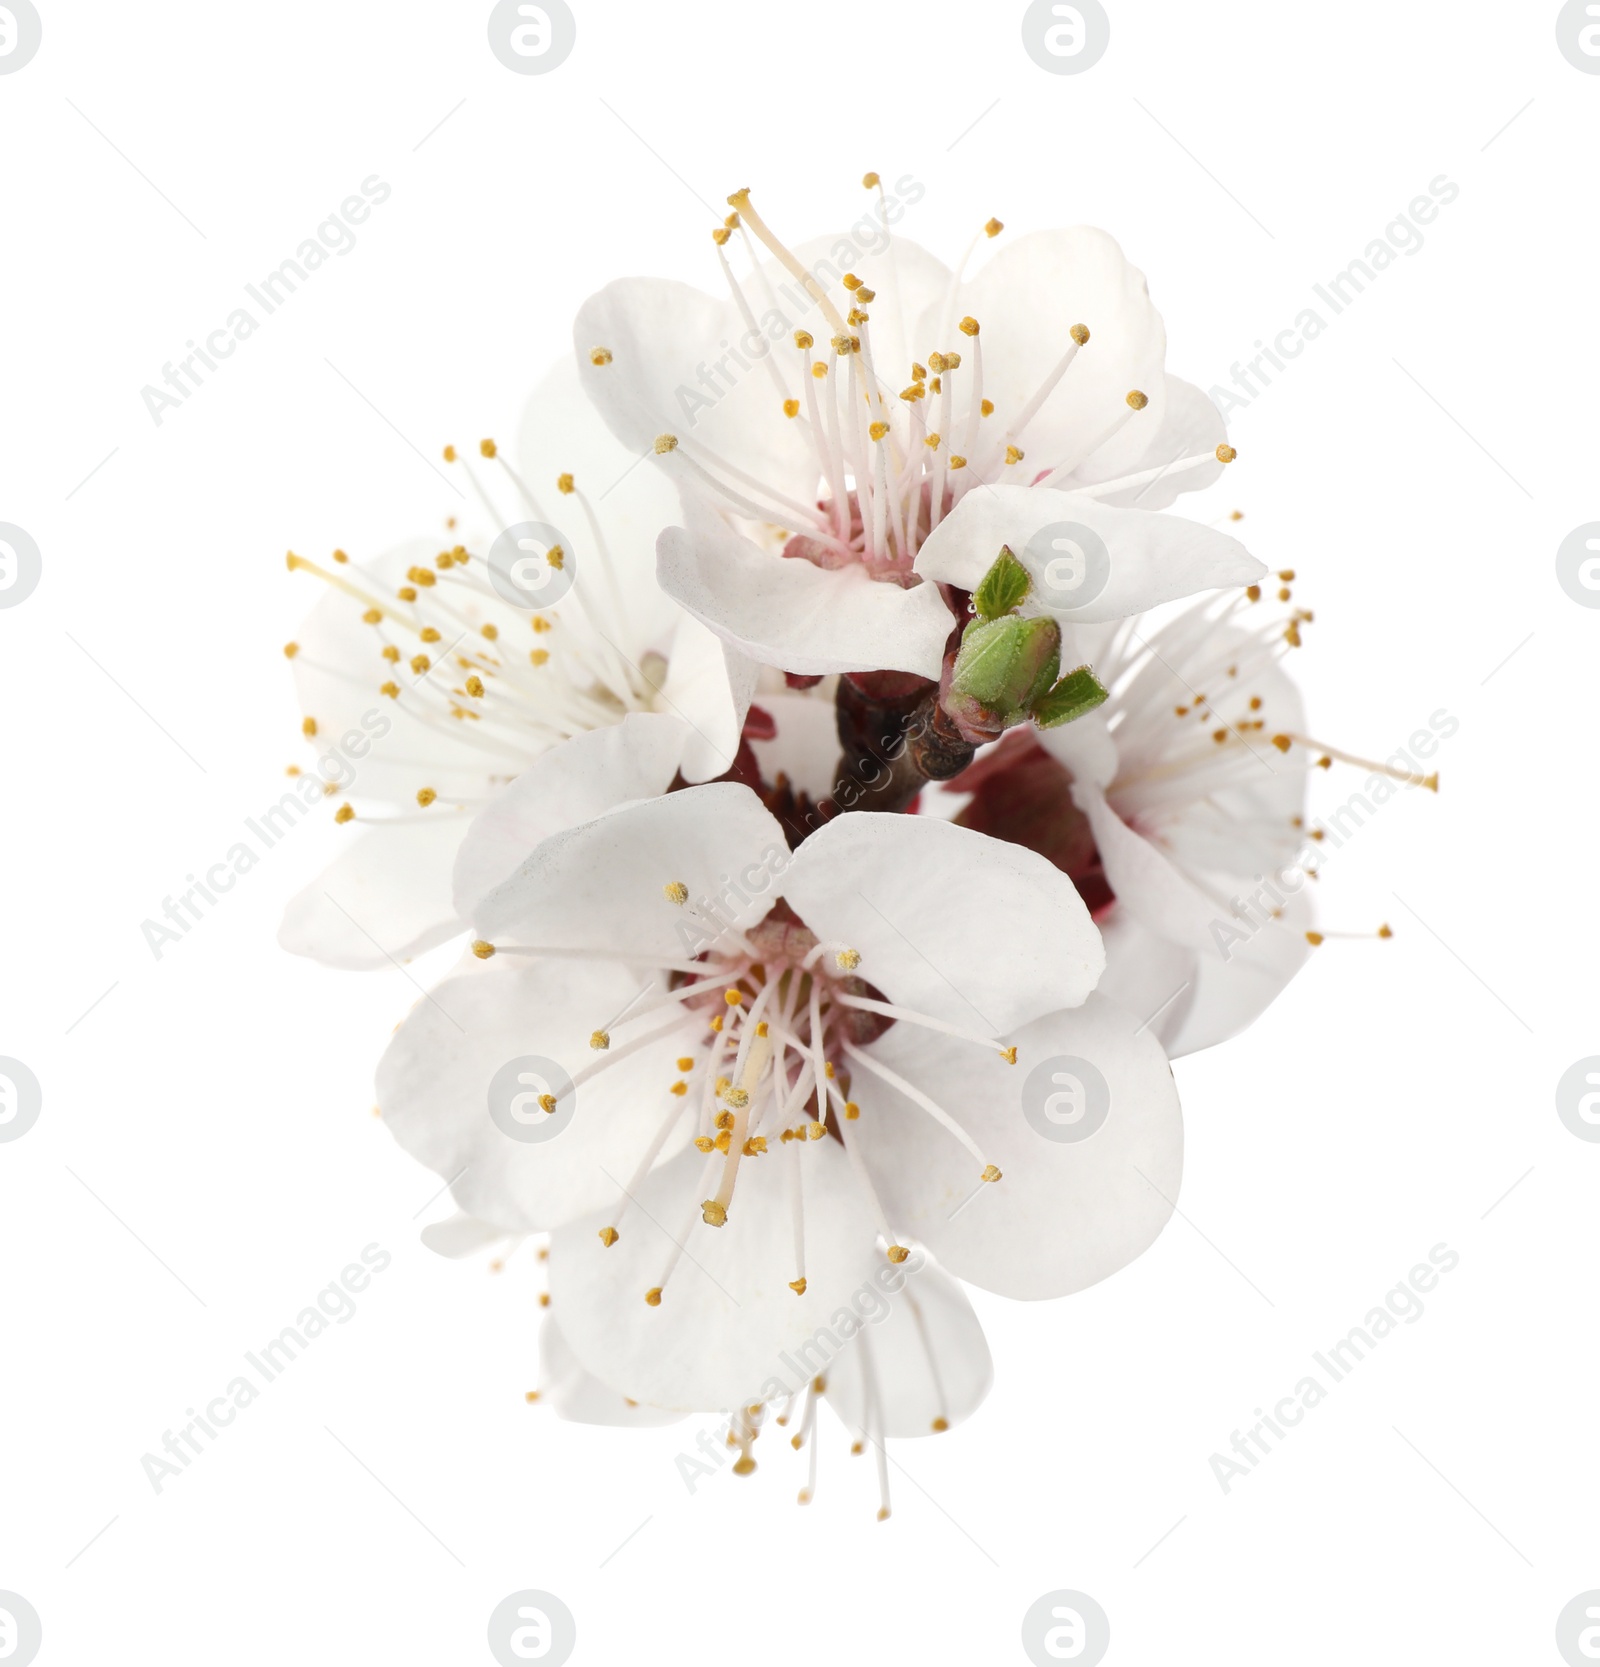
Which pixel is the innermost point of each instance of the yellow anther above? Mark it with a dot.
(565, 484)
(870, 181)
(798, 1286)
(1079, 333)
(556, 557)
(743, 1467)
(290, 649)
(407, 593)
(487, 448)
(866, 295)
(952, 361)
(957, 461)
(609, 1236)
(538, 656)
(940, 1425)
(1313, 938)
(816, 1130)
(898, 1253)
(848, 960)
(986, 406)
(390, 653)
(737, 1098)
(703, 1142)
(1226, 454)
(1254, 593)
(857, 316)
(308, 727)
(915, 391)
(1009, 1055)
(1384, 932)
(755, 1146)
(666, 443)
(373, 616)
(724, 1141)
(449, 454)
(713, 1214)
(679, 1088)
(827, 1069)
(482, 948)
(531, 1395)
(803, 339)
(720, 235)
(761, 1029)
(931, 441)
(540, 624)
(428, 634)
(426, 796)
(819, 370)
(653, 1295)
(475, 687)
(392, 690)
(1282, 742)
(490, 633)
(851, 1110)
(547, 1104)
(345, 813)
(791, 408)
(734, 998)
(600, 1040)
(990, 1173)
(877, 430)
(994, 227)
(716, 1022)
(968, 326)
(850, 281)
(1137, 401)
(420, 663)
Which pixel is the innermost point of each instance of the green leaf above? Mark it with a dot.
(1003, 587)
(1078, 693)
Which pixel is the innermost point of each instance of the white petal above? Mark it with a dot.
(729, 1331)
(1190, 425)
(662, 335)
(602, 885)
(1085, 746)
(709, 685)
(385, 898)
(806, 747)
(1147, 883)
(1026, 300)
(1146, 559)
(434, 1081)
(926, 1360)
(964, 928)
(460, 1236)
(788, 612)
(572, 783)
(1234, 992)
(580, 1397)
(1066, 1213)
(1148, 975)
(388, 751)
(562, 433)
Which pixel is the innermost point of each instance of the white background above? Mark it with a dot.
(207, 1159)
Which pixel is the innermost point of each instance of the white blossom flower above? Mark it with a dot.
(769, 1073)
(1178, 809)
(852, 397)
(429, 683)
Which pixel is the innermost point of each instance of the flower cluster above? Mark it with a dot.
(841, 774)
